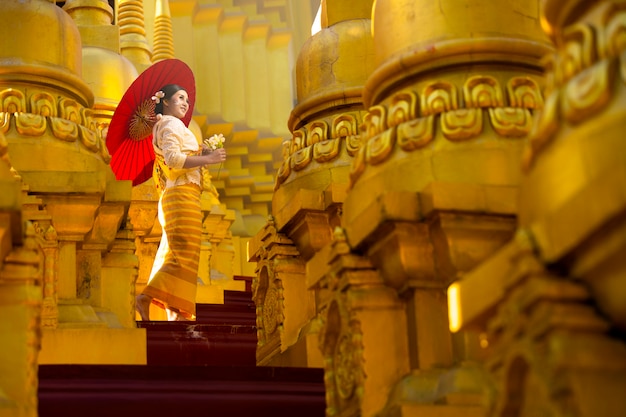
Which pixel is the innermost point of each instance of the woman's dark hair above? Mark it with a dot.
(169, 91)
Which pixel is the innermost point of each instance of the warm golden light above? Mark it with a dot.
(454, 308)
(317, 22)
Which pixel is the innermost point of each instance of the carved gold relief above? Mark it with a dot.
(342, 347)
(403, 108)
(344, 126)
(301, 158)
(579, 51)
(483, 91)
(43, 104)
(320, 141)
(588, 92)
(580, 76)
(12, 101)
(64, 129)
(379, 147)
(89, 138)
(462, 124)
(298, 141)
(358, 166)
(375, 121)
(326, 151)
(5, 119)
(283, 172)
(271, 309)
(511, 122)
(29, 124)
(439, 97)
(268, 297)
(317, 132)
(524, 92)
(416, 133)
(544, 128)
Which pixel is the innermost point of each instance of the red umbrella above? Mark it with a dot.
(129, 139)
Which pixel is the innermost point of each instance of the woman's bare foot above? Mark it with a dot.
(142, 305)
(173, 314)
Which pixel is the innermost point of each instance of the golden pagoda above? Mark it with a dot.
(425, 202)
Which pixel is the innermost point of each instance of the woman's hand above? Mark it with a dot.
(214, 157)
(205, 149)
(217, 156)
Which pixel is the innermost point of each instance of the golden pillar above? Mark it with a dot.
(554, 310)
(21, 293)
(56, 144)
(311, 182)
(133, 42)
(432, 192)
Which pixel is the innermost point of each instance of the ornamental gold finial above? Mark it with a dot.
(163, 35)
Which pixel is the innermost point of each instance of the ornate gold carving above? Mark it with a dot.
(317, 132)
(358, 166)
(89, 138)
(403, 108)
(375, 121)
(483, 91)
(326, 151)
(462, 124)
(342, 347)
(588, 92)
(301, 158)
(344, 126)
(43, 104)
(30, 124)
(64, 129)
(524, 92)
(579, 76)
(439, 97)
(545, 126)
(70, 110)
(271, 310)
(379, 147)
(320, 141)
(417, 133)
(511, 122)
(283, 172)
(12, 101)
(5, 119)
(298, 141)
(579, 51)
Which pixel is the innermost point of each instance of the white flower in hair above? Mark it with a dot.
(158, 96)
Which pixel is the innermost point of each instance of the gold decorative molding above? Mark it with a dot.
(413, 117)
(581, 75)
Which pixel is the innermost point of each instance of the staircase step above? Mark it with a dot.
(173, 391)
(238, 308)
(199, 344)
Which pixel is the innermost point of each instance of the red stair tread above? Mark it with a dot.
(128, 390)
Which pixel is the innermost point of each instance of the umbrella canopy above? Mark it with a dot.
(129, 139)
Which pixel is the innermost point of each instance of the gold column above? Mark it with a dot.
(21, 293)
(133, 42)
(434, 185)
(554, 311)
(311, 182)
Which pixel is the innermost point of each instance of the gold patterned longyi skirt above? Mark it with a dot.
(173, 281)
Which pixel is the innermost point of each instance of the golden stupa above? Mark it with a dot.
(428, 198)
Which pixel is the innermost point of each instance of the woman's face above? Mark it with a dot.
(177, 105)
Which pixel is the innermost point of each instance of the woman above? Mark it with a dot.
(173, 281)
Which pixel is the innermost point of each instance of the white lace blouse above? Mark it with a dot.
(172, 139)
